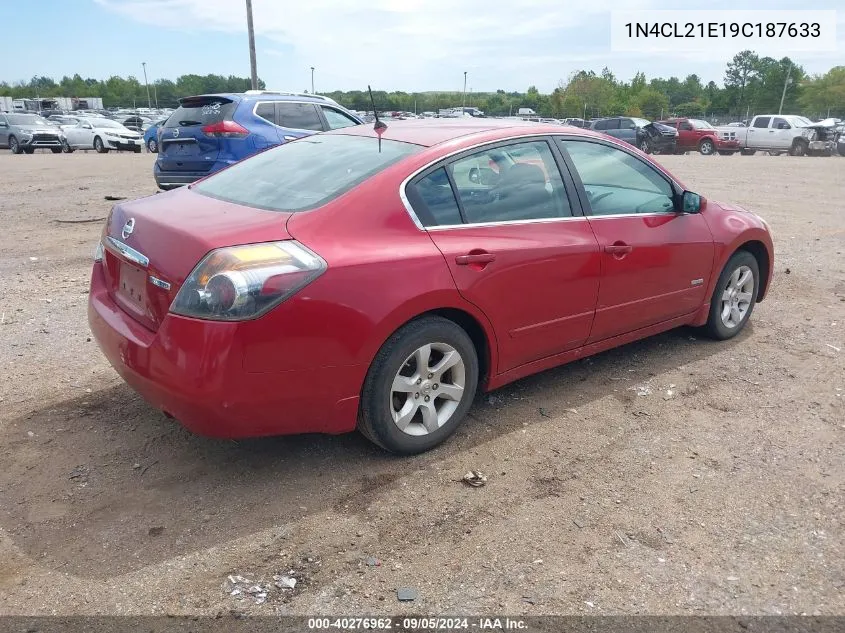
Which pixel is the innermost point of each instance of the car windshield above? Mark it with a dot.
(802, 121)
(27, 119)
(698, 124)
(105, 123)
(306, 173)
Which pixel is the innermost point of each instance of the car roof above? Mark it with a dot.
(430, 132)
(264, 95)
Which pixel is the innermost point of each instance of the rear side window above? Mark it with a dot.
(298, 116)
(600, 125)
(434, 201)
(762, 121)
(305, 173)
(627, 124)
(201, 111)
(266, 111)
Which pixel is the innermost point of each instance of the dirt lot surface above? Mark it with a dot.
(719, 492)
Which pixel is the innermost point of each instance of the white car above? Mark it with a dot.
(102, 135)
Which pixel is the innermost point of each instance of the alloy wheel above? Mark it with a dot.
(427, 389)
(736, 298)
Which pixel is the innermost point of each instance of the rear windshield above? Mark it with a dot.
(201, 112)
(304, 174)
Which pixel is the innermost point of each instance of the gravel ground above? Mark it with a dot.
(725, 497)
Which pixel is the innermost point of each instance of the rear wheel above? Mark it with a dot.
(14, 146)
(99, 147)
(734, 296)
(28, 150)
(137, 150)
(706, 147)
(644, 146)
(748, 152)
(775, 153)
(56, 150)
(152, 146)
(419, 387)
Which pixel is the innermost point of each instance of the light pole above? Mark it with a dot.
(253, 67)
(312, 81)
(463, 104)
(146, 83)
(785, 84)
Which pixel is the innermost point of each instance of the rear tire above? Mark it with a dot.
(734, 296)
(66, 148)
(644, 146)
(99, 147)
(28, 150)
(775, 153)
(152, 146)
(14, 146)
(137, 150)
(748, 152)
(706, 147)
(56, 150)
(404, 387)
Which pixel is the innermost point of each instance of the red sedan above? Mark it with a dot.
(346, 281)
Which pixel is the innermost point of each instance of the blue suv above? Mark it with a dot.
(209, 132)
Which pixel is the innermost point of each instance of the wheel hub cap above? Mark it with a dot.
(737, 296)
(427, 389)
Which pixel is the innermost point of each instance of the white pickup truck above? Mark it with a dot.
(777, 134)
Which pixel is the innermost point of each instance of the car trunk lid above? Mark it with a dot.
(153, 244)
(184, 146)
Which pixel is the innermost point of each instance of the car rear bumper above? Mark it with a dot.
(193, 370)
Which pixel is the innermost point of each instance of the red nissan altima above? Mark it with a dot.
(347, 280)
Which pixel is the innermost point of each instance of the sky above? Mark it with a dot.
(411, 45)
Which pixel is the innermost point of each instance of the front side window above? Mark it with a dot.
(336, 119)
(762, 122)
(298, 116)
(780, 124)
(305, 173)
(627, 124)
(618, 183)
(685, 126)
(510, 183)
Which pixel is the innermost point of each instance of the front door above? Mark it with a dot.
(516, 243)
(656, 261)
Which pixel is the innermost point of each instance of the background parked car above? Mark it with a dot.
(210, 132)
(641, 133)
(151, 136)
(775, 134)
(102, 135)
(700, 136)
(24, 133)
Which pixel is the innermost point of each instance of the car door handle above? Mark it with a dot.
(618, 249)
(476, 258)
(290, 138)
(771, 131)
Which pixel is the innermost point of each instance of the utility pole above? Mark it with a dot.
(253, 67)
(463, 104)
(785, 84)
(155, 94)
(312, 81)
(146, 83)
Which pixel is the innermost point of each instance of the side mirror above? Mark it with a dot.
(690, 202)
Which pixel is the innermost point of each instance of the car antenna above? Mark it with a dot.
(379, 126)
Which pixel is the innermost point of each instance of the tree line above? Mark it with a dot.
(752, 84)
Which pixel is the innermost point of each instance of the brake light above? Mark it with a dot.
(244, 282)
(225, 129)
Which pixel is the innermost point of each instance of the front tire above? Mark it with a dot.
(734, 296)
(706, 147)
(419, 387)
(99, 147)
(799, 148)
(66, 148)
(644, 146)
(56, 150)
(14, 146)
(748, 152)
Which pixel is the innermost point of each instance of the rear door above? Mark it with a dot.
(183, 145)
(758, 133)
(656, 262)
(516, 243)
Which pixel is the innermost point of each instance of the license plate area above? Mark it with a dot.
(132, 288)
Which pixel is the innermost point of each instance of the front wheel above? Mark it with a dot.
(56, 150)
(799, 148)
(645, 148)
(99, 147)
(14, 146)
(419, 387)
(706, 147)
(734, 296)
(66, 148)
(748, 152)
(28, 150)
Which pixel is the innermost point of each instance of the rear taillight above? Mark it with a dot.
(244, 282)
(225, 129)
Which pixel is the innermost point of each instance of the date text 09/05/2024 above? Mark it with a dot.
(418, 623)
(722, 29)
